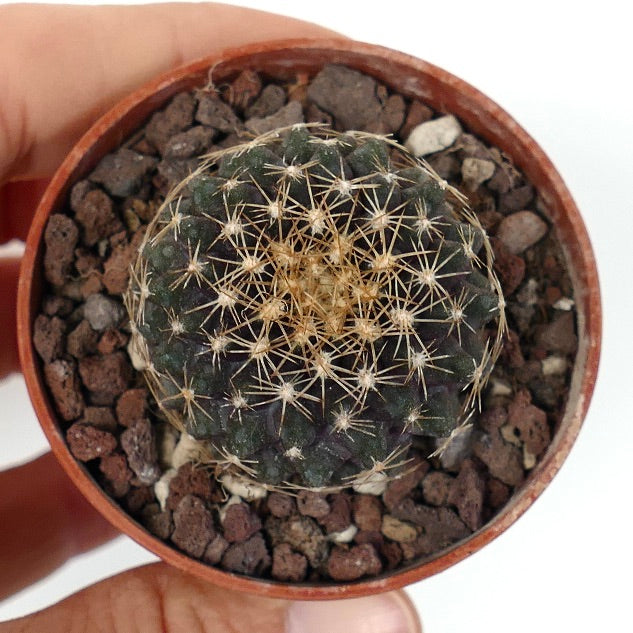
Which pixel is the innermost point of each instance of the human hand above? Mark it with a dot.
(60, 68)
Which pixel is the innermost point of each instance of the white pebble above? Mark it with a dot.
(500, 388)
(554, 365)
(102, 247)
(433, 136)
(374, 484)
(187, 450)
(477, 170)
(529, 460)
(564, 303)
(508, 434)
(344, 536)
(161, 487)
(247, 490)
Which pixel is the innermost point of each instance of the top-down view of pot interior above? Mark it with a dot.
(307, 318)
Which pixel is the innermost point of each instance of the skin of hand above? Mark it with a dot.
(60, 68)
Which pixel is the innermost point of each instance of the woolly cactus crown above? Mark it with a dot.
(308, 303)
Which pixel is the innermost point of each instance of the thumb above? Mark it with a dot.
(159, 599)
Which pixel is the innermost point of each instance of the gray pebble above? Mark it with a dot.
(177, 116)
(122, 172)
(102, 312)
(516, 199)
(529, 294)
(271, 99)
(193, 142)
(173, 170)
(288, 115)
(216, 114)
(348, 95)
(520, 230)
(139, 444)
(456, 449)
(472, 147)
(477, 170)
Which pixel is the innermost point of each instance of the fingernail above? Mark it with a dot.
(382, 613)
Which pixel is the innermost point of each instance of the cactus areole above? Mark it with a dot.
(309, 303)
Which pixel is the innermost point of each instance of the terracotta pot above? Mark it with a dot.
(411, 77)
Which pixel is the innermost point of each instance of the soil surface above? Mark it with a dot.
(113, 426)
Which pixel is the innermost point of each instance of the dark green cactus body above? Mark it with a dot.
(308, 302)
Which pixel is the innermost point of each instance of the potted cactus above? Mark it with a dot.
(306, 303)
(316, 313)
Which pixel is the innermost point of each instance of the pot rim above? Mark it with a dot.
(529, 157)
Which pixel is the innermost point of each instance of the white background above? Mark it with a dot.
(563, 70)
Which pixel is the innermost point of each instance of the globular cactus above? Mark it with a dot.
(307, 303)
